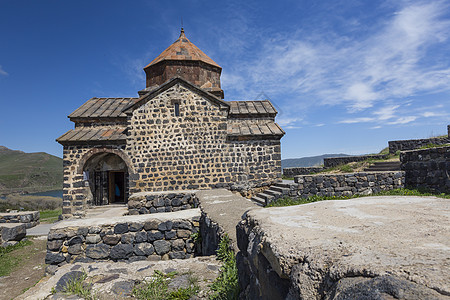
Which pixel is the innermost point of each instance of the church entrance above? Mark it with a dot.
(106, 175)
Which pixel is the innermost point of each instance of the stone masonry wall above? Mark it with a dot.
(129, 238)
(191, 151)
(336, 161)
(404, 145)
(348, 184)
(29, 218)
(75, 191)
(338, 185)
(291, 172)
(157, 202)
(427, 168)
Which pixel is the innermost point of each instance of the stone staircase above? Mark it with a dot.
(384, 166)
(276, 191)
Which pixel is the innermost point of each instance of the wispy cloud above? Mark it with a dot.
(3, 72)
(392, 62)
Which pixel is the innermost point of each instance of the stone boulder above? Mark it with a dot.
(12, 231)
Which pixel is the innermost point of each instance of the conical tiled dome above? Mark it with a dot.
(184, 59)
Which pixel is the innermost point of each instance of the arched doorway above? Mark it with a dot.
(107, 174)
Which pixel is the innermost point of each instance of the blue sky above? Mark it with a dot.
(346, 76)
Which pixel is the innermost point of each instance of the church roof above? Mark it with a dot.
(183, 49)
(250, 109)
(93, 134)
(102, 108)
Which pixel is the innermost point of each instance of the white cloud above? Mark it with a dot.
(392, 62)
(403, 120)
(3, 72)
(357, 120)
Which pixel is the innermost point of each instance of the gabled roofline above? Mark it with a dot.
(167, 85)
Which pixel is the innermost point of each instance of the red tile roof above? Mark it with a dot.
(183, 49)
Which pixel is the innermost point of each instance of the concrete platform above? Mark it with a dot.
(320, 243)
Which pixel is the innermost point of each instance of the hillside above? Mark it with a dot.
(29, 172)
(310, 161)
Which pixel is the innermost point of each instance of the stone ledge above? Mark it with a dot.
(319, 244)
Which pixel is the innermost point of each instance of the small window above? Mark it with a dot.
(177, 109)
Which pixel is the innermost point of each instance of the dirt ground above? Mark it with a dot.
(30, 270)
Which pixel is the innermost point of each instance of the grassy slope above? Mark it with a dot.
(31, 172)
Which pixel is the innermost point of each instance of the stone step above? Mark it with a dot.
(282, 185)
(282, 190)
(259, 201)
(273, 192)
(265, 196)
(384, 166)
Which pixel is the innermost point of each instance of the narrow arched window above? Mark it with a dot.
(177, 109)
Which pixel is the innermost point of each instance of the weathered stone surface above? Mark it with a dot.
(66, 278)
(111, 239)
(93, 238)
(75, 249)
(127, 238)
(178, 245)
(76, 240)
(54, 245)
(12, 231)
(151, 225)
(141, 237)
(54, 258)
(161, 247)
(121, 228)
(305, 251)
(106, 275)
(155, 235)
(121, 251)
(143, 249)
(165, 226)
(98, 251)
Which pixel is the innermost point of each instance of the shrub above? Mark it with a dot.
(226, 286)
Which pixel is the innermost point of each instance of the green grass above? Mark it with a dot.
(431, 145)
(158, 288)
(287, 201)
(78, 286)
(8, 261)
(226, 286)
(50, 216)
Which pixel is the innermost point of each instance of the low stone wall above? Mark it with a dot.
(427, 168)
(291, 172)
(29, 218)
(157, 202)
(129, 238)
(336, 161)
(404, 145)
(348, 184)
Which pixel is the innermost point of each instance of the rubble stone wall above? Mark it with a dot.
(146, 237)
(404, 145)
(349, 184)
(29, 218)
(427, 168)
(157, 202)
(336, 161)
(192, 150)
(291, 172)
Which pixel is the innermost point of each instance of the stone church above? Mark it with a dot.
(178, 134)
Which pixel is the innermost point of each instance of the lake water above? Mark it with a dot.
(55, 193)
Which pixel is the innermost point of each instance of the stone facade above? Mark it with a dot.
(157, 202)
(147, 237)
(336, 161)
(428, 169)
(178, 135)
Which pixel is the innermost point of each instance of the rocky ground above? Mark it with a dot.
(116, 280)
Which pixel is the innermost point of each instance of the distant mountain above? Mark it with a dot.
(307, 161)
(29, 172)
